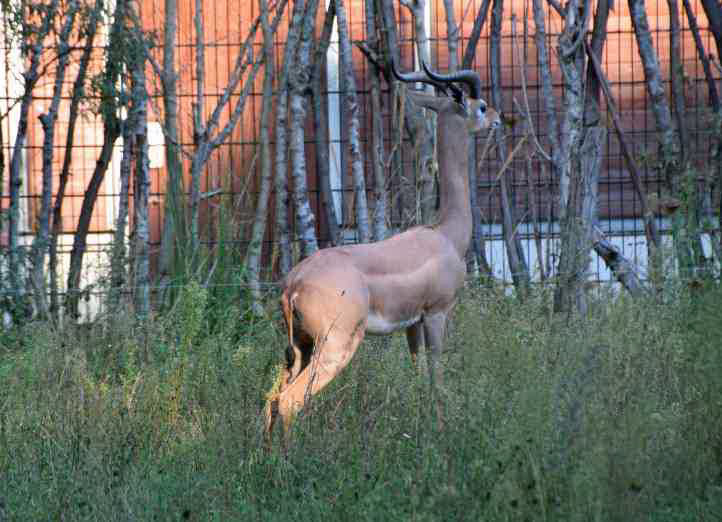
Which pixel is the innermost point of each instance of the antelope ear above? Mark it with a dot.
(428, 101)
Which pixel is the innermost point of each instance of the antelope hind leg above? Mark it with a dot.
(415, 339)
(330, 358)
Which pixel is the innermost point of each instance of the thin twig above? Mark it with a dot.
(511, 156)
(527, 114)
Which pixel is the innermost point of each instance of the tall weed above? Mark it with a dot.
(616, 416)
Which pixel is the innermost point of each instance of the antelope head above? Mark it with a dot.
(471, 107)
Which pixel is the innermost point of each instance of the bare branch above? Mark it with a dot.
(479, 21)
(557, 7)
(650, 226)
(620, 266)
(527, 113)
(711, 85)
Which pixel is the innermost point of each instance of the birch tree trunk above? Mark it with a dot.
(352, 108)
(110, 104)
(255, 247)
(398, 100)
(320, 128)
(670, 161)
(299, 83)
(78, 93)
(173, 210)
(41, 241)
(514, 249)
(377, 131)
(550, 109)
(118, 252)
(477, 254)
(281, 162)
(424, 136)
(111, 132)
(579, 160)
(141, 234)
(280, 180)
(200, 131)
(34, 51)
(592, 114)
(452, 35)
(695, 201)
(669, 143)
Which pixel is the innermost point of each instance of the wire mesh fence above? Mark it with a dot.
(231, 180)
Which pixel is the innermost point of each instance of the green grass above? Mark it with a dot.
(614, 417)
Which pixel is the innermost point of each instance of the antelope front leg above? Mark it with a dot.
(434, 329)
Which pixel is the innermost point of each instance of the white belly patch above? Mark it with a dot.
(379, 325)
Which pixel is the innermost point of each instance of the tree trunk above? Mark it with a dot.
(109, 106)
(515, 252)
(118, 253)
(701, 53)
(592, 115)
(670, 163)
(577, 227)
(200, 130)
(669, 150)
(73, 113)
(389, 44)
(377, 132)
(424, 133)
(478, 243)
(41, 241)
(470, 51)
(141, 235)
(173, 209)
(352, 108)
(16, 262)
(255, 247)
(111, 132)
(677, 78)
(713, 10)
(452, 35)
(547, 88)
(695, 201)
(281, 161)
(320, 128)
(299, 83)
(578, 167)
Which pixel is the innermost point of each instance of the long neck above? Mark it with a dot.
(453, 152)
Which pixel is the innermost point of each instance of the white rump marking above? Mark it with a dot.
(379, 325)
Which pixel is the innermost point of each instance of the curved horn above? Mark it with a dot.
(467, 76)
(418, 76)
